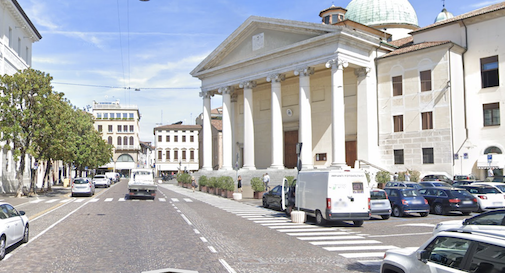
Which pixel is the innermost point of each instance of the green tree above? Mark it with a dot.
(21, 107)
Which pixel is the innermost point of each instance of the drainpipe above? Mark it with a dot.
(464, 88)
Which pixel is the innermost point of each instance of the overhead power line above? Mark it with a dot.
(124, 87)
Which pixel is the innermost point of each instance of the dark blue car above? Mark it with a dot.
(406, 201)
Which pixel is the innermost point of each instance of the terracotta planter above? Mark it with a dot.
(229, 194)
(218, 192)
(179, 183)
(258, 194)
(210, 190)
(203, 188)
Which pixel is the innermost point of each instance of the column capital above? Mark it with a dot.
(362, 71)
(206, 94)
(247, 84)
(337, 63)
(225, 90)
(276, 77)
(234, 97)
(304, 71)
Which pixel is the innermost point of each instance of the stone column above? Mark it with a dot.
(337, 111)
(233, 114)
(305, 130)
(248, 125)
(367, 116)
(207, 132)
(277, 151)
(227, 131)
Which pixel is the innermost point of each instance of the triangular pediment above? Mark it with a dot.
(259, 36)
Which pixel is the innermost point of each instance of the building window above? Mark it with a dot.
(131, 116)
(191, 138)
(398, 156)
(125, 115)
(192, 155)
(176, 139)
(118, 115)
(427, 120)
(111, 115)
(125, 128)
(118, 140)
(492, 150)
(105, 115)
(334, 18)
(99, 115)
(491, 114)
(159, 138)
(321, 157)
(125, 140)
(168, 138)
(398, 123)
(167, 155)
(176, 155)
(428, 156)
(110, 128)
(425, 77)
(397, 86)
(100, 128)
(119, 127)
(326, 20)
(183, 155)
(10, 37)
(160, 155)
(132, 141)
(132, 129)
(489, 71)
(183, 138)
(109, 140)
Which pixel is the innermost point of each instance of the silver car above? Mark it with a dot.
(102, 181)
(379, 203)
(14, 227)
(82, 186)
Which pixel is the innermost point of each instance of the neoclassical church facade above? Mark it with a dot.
(365, 87)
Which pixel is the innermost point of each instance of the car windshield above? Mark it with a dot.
(501, 187)
(411, 193)
(441, 184)
(80, 181)
(489, 190)
(374, 195)
(99, 176)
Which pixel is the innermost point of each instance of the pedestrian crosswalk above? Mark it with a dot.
(346, 242)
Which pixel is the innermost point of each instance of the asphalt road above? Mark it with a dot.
(199, 232)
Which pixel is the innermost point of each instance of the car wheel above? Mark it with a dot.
(358, 223)
(423, 214)
(2, 247)
(265, 204)
(466, 213)
(26, 235)
(319, 218)
(397, 212)
(439, 210)
(385, 217)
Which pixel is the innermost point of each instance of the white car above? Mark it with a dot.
(488, 197)
(498, 185)
(450, 251)
(82, 186)
(14, 227)
(493, 219)
(101, 180)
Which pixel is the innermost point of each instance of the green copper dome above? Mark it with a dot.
(443, 15)
(376, 13)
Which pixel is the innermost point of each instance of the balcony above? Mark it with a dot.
(127, 147)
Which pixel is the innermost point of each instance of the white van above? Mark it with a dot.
(330, 195)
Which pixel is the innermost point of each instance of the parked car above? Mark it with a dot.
(463, 182)
(460, 177)
(14, 227)
(493, 219)
(379, 203)
(498, 185)
(443, 200)
(406, 201)
(101, 180)
(406, 184)
(429, 184)
(114, 177)
(82, 186)
(488, 197)
(450, 251)
(443, 177)
(273, 198)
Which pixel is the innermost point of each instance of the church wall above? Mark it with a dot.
(453, 33)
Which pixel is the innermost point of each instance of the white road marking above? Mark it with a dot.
(363, 255)
(175, 200)
(329, 238)
(305, 230)
(213, 250)
(358, 248)
(79, 200)
(36, 201)
(417, 225)
(121, 199)
(94, 200)
(65, 200)
(187, 200)
(227, 266)
(318, 233)
(108, 199)
(52, 200)
(203, 239)
(353, 242)
(396, 235)
(162, 199)
(186, 219)
(272, 221)
(196, 231)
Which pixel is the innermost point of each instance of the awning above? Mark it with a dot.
(497, 161)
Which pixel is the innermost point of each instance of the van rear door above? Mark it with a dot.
(349, 196)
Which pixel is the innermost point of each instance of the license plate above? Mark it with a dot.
(497, 203)
(467, 202)
(416, 202)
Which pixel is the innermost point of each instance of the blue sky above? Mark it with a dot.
(154, 46)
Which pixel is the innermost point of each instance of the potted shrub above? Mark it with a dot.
(382, 178)
(185, 179)
(211, 188)
(228, 187)
(258, 187)
(203, 181)
(219, 185)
